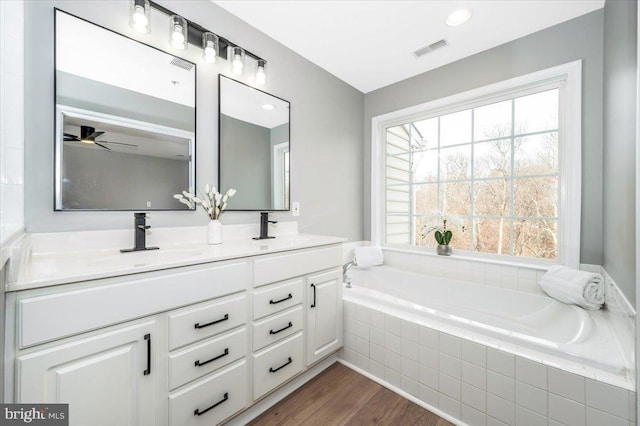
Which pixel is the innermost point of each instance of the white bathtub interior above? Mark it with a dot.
(527, 324)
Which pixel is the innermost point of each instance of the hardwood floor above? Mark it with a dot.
(340, 396)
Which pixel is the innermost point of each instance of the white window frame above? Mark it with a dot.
(569, 79)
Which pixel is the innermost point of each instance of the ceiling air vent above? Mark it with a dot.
(181, 64)
(430, 48)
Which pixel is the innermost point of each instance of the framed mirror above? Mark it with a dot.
(125, 121)
(254, 145)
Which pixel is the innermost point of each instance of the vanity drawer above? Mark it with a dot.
(61, 314)
(284, 266)
(277, 364)
(211, 400)
(208, 356)
(205, 320)
(277, 327)
(276, 298)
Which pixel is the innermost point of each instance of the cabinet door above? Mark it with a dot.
(324, 314)
(107, 379)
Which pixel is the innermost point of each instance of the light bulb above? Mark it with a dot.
(178, 32)
(237, 64)
(177, 39)
(210, 52)
(139, 16)
(236, 60)
(261, 76)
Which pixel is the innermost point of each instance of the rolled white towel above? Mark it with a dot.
(585, 289)
(368, 256)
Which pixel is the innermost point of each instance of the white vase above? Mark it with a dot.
(214, 232)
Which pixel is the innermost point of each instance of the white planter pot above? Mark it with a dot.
(214, 232)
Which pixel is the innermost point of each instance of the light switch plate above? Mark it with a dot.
(295, 208)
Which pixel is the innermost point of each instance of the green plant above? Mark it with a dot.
(443, 237)
(439, 222)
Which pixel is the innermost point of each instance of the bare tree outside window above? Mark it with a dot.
(495, 166)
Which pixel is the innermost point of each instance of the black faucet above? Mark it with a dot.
(140, 234)
(264, 226)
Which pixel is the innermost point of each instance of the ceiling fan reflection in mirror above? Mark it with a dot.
(88, 135)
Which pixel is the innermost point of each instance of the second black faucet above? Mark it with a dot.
(264, 226)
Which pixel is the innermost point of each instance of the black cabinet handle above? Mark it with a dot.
(313, 286)
(224, 398)
(200, 364)
(197, 325)
(146, 372)
(282, 329)
(273, 302)
(273, 370)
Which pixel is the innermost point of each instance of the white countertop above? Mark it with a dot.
(53, 259)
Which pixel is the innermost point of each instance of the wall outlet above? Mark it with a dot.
(148, 203)
(295, 208)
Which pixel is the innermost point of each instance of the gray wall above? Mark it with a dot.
(98, 179)
(92, 95)
(620, 73)
(246, 149)
(326, 122)
(280, 134)
(580, 38)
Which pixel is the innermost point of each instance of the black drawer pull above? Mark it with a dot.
(273, 302)
(146, 372)
(313, 286)
(200, 364)
(224, 398)
(273, 370)
(282, 329)
(197, 325)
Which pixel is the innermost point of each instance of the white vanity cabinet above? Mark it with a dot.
(279, 338)
(108, 379)
(213, 367)
(324, 314)
(191, 345)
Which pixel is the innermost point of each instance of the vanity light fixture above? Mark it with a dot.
(183, 32)
(269, 107)
(236, 60)
(139, 13)
(458, 17)
(261, 75)
(178, 32)
(210, 45)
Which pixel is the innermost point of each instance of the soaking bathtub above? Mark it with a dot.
(544, 328)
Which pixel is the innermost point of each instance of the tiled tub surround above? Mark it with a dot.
(476, 383)
(523, 277)
(481, 380)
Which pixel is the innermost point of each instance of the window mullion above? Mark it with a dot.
(438, 206)
(411, 203)
(471, 184)
(512, 201)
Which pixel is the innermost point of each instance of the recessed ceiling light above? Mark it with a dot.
(458, 17)
(269, 107)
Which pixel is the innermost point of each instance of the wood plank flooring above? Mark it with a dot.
(340, 396)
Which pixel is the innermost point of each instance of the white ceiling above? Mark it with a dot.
(92, 52)
(148, 143)
(369, 44)
(246, 103)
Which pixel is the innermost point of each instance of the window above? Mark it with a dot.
(492, 161)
